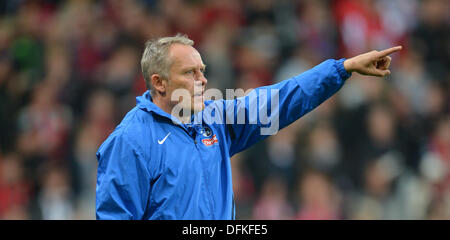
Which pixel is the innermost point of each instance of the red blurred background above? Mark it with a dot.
(379, 149)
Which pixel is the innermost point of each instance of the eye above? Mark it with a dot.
(189, 72)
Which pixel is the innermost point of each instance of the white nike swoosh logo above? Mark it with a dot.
(164, 139)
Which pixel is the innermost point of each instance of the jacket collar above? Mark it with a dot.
(145, 103)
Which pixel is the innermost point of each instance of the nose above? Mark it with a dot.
(203, 79)
(200, 85)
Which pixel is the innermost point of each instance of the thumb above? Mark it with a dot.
(378, 72)
(383, 73)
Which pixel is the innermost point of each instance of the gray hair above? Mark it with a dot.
(155, 59)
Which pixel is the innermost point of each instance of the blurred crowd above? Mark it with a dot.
(379, 149)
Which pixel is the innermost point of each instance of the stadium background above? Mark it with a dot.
(379, 149)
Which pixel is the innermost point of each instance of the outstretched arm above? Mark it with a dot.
(374, 63)
(297, 96)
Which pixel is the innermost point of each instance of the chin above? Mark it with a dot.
(198, 107)
(198, 104)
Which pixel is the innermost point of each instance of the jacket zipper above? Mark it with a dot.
(206, 181)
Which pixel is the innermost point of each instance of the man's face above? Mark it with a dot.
(187, 72)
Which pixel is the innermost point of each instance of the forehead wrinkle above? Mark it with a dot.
(192, 60)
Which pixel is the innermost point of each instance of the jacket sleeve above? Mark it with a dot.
(284, 103)
(123, 180)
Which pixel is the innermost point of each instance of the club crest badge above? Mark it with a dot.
(210, 141)
(206, 132)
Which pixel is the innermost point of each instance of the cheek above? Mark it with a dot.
(181, 82)
(176, 84)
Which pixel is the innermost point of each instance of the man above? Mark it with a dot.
(157, 166)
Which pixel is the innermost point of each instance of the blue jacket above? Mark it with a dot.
(151, 167)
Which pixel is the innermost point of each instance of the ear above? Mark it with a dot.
(159, 83)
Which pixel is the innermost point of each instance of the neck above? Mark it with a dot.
(167, 106)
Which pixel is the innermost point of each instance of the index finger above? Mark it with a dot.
(389, 51)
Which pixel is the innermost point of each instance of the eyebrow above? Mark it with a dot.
(193, 67)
